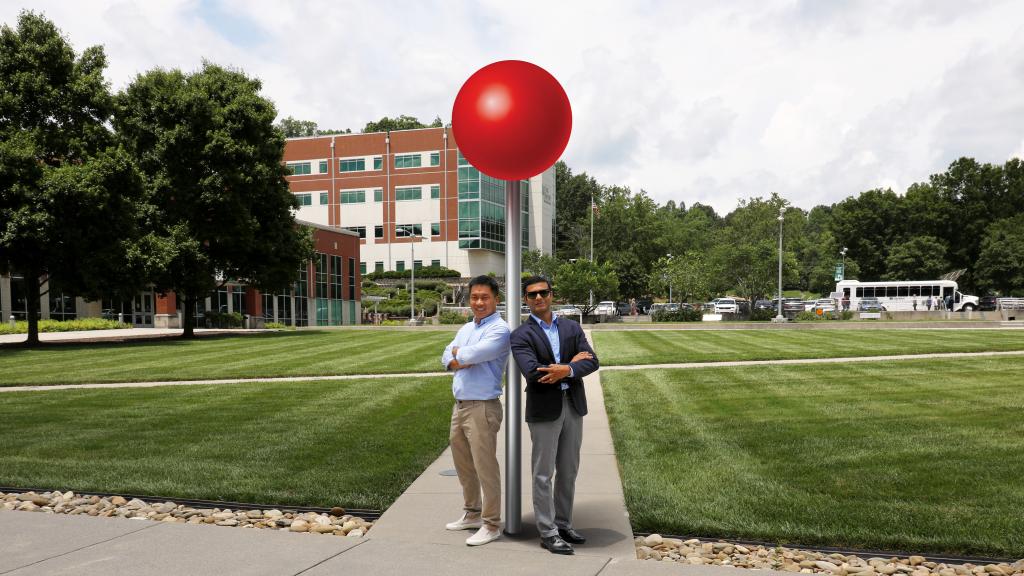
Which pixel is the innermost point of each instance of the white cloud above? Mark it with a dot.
(689, 101)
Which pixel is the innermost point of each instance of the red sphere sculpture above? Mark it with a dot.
(511, 120)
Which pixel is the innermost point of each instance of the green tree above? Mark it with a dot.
(535, 262)
(1001, 264)
(868, 224)
(688, 276)
(292, 127)
(577, 280)
(213, 164)
(71, 207)
(402, 122)
(919, 258)
(572, 211)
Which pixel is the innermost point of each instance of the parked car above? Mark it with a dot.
(792, 306)
(606, 307)
(988, 303)
(726, 306)
(566, 310)
(623, 308)
(870, 305)
(643, 305)
(824, 306)
(766, 305)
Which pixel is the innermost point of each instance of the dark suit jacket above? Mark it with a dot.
(532, 350)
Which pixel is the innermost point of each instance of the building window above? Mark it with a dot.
(408, 160)
(409, 193)
(62, 306)
(362, 268)
(378, 231)
(299, 168)
(353, 197)
(378, 194)
(304, 199)
(351, 278)
(435, 191)
(378, 266)
(435, 158)
(417, 264)
(335, 280)
(400, 266)
(406, 230)
(352, 165)
(268, 307)
(324, 198)
(302, 296)
(435, 228)
(378, 162)
(361, 230)
(323, 166)
(435, 263)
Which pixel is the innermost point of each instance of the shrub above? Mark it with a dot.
(681, 315)
(278, 326)
(223, 320)
(429, 272)
(21, 327)
(762, 314)
(454, 317)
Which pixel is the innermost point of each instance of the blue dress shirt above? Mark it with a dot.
(484, 346)
(551, 331)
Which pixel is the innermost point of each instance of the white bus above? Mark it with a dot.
(901, 296)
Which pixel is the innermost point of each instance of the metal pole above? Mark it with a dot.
(513, 389)
(412, 283)
(590, 300)
(780, 317)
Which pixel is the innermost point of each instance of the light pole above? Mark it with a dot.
(843, 252)
(780, 317)
(412, 275)
(670, 278)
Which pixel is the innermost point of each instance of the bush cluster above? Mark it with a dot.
(453, 317)
(762, 314)
(21, 327)
(429, 272)
(223, 319)
(681, 315)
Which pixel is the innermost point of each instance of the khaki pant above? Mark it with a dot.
(474, 437)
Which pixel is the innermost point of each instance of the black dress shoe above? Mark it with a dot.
(556, 545)
(571, 536)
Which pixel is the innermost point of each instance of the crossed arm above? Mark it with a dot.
(491, 346)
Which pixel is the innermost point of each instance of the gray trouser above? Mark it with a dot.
(556, 453)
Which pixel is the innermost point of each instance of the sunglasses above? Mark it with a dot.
(541, 293)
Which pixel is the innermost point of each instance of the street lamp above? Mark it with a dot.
(408, 233)
(670, 278)
(843, 252)
(780, 317)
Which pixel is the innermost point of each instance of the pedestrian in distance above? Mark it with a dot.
(478, 355)
(553, 355)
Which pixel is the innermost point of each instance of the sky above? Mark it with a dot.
(709, 102)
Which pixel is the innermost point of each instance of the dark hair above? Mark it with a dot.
(535, 280)
(484, 281)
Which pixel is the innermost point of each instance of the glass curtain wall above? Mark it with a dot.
(482, 209)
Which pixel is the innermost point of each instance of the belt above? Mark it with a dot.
(457, 401)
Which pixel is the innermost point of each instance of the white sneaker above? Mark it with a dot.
(465, 523)
(484, 535)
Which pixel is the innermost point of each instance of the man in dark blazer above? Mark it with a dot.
(554, 356)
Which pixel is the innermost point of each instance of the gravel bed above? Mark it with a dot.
(337, 523)
(697, 552)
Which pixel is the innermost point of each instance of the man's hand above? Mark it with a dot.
(455, 365)
(554, 373)
(582, 356)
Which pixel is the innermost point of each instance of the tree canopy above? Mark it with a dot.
(212, 162)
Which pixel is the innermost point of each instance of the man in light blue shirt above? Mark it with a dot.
(478, 355)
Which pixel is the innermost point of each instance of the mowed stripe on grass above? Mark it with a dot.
(629, 347)
(300, 353)
(355, 443)
(910, 455)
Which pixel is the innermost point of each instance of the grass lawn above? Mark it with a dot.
(624, 347)
(356, 443)
(299, 353)
(919, 455)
